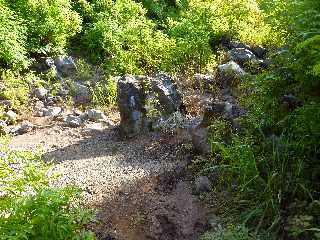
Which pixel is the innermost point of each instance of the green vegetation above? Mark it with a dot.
(29, 207)
(273, 157)
(105, 94)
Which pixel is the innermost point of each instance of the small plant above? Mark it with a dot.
(105, 94)
(30, 208)
(16, 88)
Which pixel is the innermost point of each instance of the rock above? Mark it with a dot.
(96, 115)
(259, 51)
(221, 109)
(204, 81)
(214, 222)
(65, 65)
(235, 44)
(77, 112)
(82, 94)
(11, 115)
(241, 55)
(229, 72)
(133, 94)
(50, 100)
(131, 104)
(290, 101)
(73, 121)
(169, 98)
(25, 127)
(38, 108)
(6, 103)
(200, 142)
(202, 184)
(40, 93)
(211, 112)
(52, 111)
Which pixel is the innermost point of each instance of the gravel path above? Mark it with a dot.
(127, 180)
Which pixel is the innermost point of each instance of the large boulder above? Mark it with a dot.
(62, 66)
(134, 95)
(131, 104)
(164, 88)
(96, 115)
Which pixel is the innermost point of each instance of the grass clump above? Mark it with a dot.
(30, 208)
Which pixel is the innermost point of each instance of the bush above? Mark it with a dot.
(202, 22)
(12, 39)
(49, 24)
(16, 88)
(124, 40)
(30, 208)
(105, 94)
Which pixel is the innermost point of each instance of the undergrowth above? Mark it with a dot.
(29, 207)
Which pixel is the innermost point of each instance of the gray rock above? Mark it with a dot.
(259, 51)
(25, 127)
(40, 93)
(38, 108)
(169, 97)
(204, 81)
(11, 115)
(6, 103)
(133, 94)
(214, 222)
(50, 100)
(235, 44)
(131, 105)
(229, 72)
(200, 142)
(96, 115)
(52, 111)
(241, 55)
(211, 112)
(73, 121)
(82, 94)
(65, 65)
(202, 184)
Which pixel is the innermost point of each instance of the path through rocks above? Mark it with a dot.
(139, 187)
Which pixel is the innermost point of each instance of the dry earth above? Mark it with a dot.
(139, 186)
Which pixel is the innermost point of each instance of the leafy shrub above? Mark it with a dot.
(30, 208)
(201, 22)
(12, 39)
(105, 94)
(16, 88)
(273, 157)
(49, 24)
(124, 40)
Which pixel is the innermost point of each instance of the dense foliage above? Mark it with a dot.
(273, 157)
(29, 208)
(33, 28)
